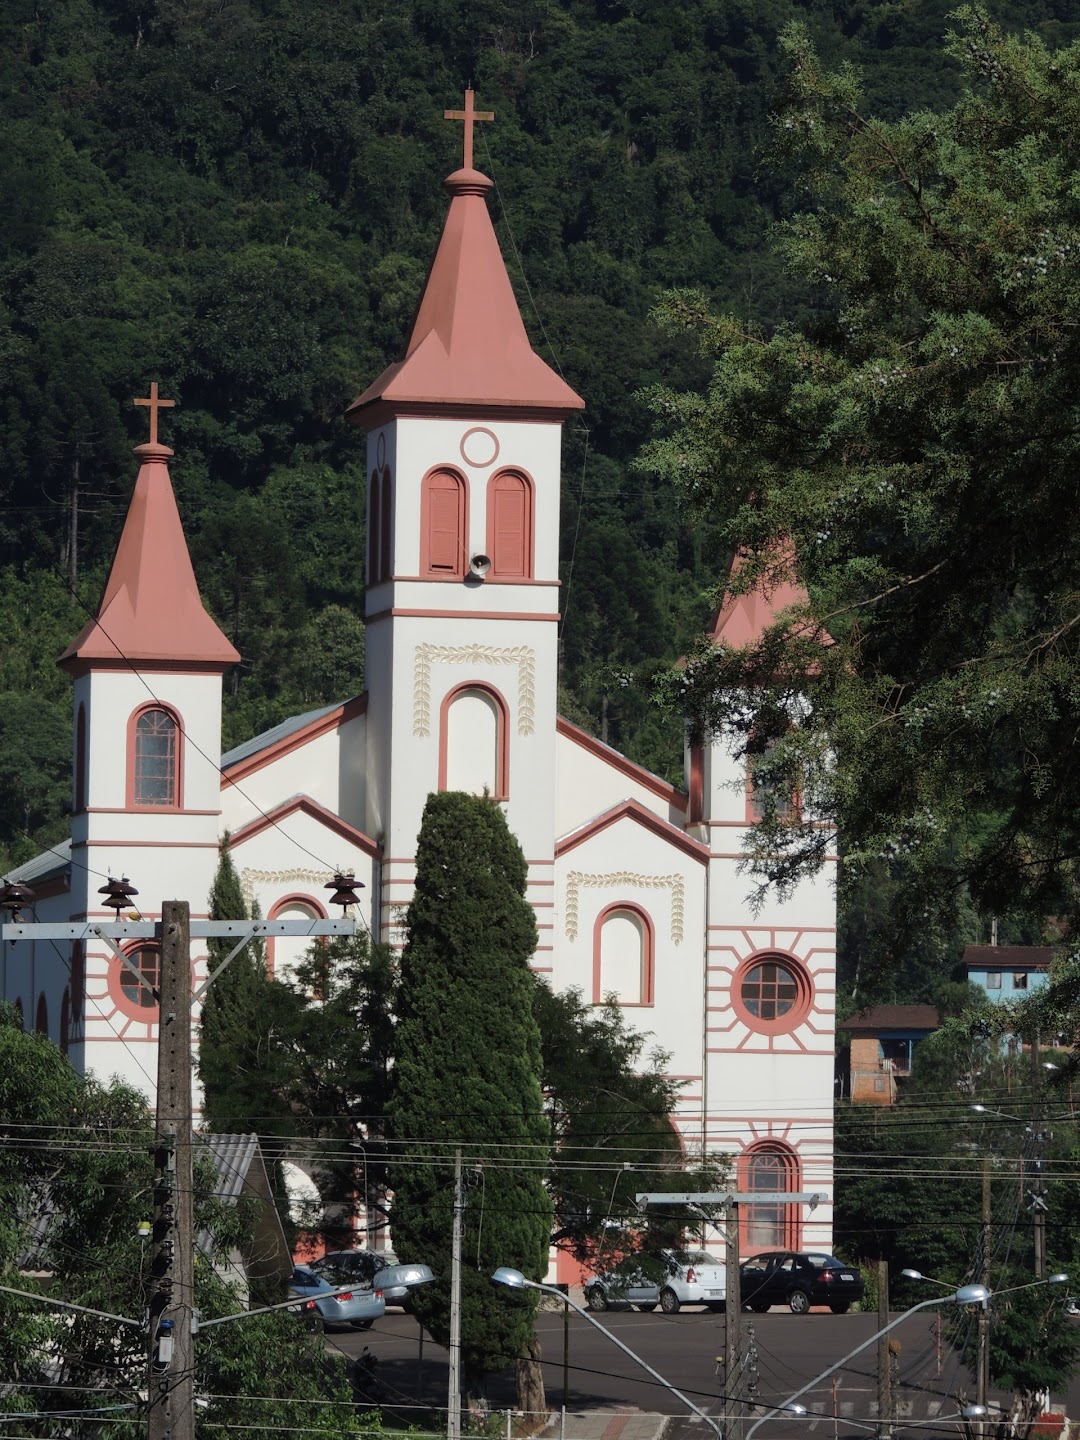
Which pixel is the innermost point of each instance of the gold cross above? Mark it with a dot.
(470, 116)
(154, 405)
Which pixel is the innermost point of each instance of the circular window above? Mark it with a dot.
(128, 993)
(772, 993)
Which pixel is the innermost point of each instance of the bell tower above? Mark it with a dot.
(464, 441)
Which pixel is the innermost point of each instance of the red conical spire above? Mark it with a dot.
(151, 610)
(468, 346)
(742, 620)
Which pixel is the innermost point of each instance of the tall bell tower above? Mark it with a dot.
(464, 442)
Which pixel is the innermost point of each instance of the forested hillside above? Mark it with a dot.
(240, 198)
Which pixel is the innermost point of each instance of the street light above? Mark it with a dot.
(965, 1295)
(515, 1280)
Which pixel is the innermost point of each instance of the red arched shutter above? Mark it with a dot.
(444, 524)
(510, 526)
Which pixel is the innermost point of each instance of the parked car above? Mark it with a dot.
(668, 1278)
(372, 1267)
(356, 1309)
(797, 1279)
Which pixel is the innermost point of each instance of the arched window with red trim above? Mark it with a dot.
(474, 742)
(80, 760)
(374, 528)
(386, 524)
(510, 526)
(624, 956)
(442, 525)
(769, 1169)
(285, 952)
(154, 754)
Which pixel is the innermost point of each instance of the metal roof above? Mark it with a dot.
(49, 862)
(271, 737)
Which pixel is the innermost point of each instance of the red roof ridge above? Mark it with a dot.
(151, 610)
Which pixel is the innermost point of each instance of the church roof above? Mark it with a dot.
(271, 737)
(468, 346)
(743, 619)
(151, 609)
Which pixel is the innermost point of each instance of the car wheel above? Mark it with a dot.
(842, 1308)
(799, 1302)
(759, 1307)
(669, 1302)
(597, 1299)
(362, 1324)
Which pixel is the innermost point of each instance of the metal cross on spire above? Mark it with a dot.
(154, 405)
(470, 115)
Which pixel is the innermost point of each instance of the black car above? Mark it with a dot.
(788, 1277)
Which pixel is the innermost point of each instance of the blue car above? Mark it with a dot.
(356, 1308)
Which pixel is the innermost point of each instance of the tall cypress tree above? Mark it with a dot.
(467, 1075)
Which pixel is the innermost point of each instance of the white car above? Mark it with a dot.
(668, 1278)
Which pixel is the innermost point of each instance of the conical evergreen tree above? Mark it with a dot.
(466, 1075)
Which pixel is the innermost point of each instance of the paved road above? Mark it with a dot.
(788, 1350)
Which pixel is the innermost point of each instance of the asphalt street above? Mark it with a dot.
(784, 1350)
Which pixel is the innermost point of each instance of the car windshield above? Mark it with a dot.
(702, 1257)
(829, 1260)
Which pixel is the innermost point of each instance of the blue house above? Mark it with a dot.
(1005, 971)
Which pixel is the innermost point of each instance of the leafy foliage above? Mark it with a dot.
(915, 441)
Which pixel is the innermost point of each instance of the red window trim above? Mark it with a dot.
(792, 1219)
(118, 974)
(648, 958)
(502, 734)
(283, 903)
(784, 1024)
(529, 537)
(461, 559)
(178, 760)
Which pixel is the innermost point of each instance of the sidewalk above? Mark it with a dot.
(613, 1424)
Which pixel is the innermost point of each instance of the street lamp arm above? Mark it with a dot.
(297, 1303)
(523, 1282)
(779, 1409)
(69, 1305)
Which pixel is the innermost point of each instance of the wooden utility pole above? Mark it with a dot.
(982, 1356)
(884, 1355)
(453, 1399)
(171, 1289)
(733, 1377)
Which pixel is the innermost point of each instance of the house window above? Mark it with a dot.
(623, 956)
(442, 525)
(1020, 980)
(147, 960)
(510, 526)
(767, 789)
(770, 1169)
(474, 753)
(993, 979)
(155, 763)
(772, 993)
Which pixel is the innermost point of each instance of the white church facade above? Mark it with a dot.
(635, 883)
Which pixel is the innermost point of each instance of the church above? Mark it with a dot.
(635, 883)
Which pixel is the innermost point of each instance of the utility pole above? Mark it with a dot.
(1039, 1140)
(884, 1355)
(171, 1289)
(733, 1377)
(453, 1399)
(982, 1367)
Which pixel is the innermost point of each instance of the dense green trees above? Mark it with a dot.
(915, 440)
(467, 1079)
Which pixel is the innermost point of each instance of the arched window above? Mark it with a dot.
(772, 993)
(20, 1017)
(80, 760)
(386, 523)
(147, 960)
(285, 952)
(623, 956)
(768, 1170)
(374, 527)
(41, 1024)
(510, 526)
(65, 1022)
(768, 788)
(442, 525)
(474, 752)
(154, 759)
(78, 981)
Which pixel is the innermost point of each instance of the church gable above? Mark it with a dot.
(593, 778)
